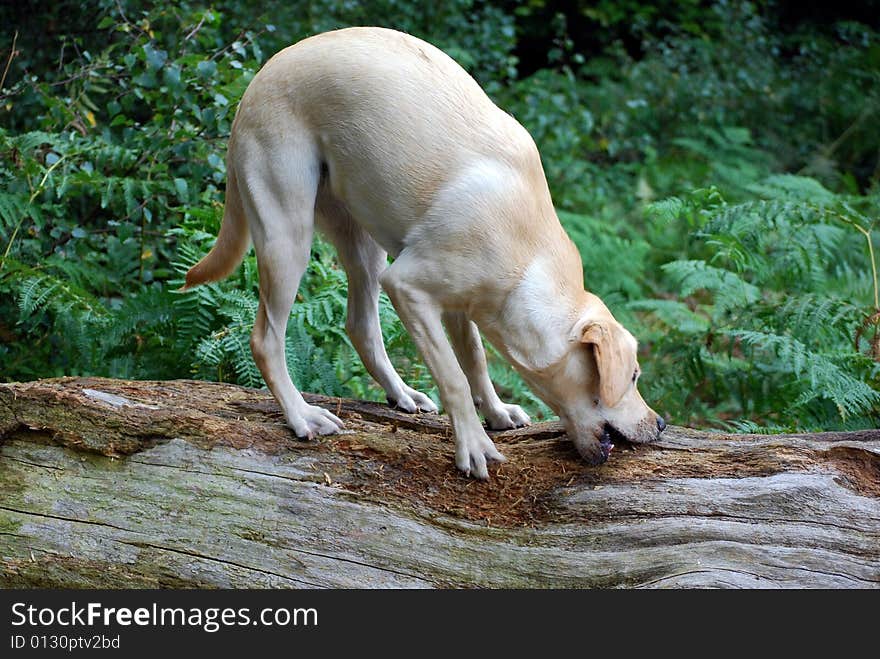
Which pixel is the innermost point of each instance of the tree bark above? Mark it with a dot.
(110, 483)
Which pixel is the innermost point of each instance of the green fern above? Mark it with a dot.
(674, 313)
(757, 326)
(42, 289)
(12, 208)
(729, 290)
(817, 373)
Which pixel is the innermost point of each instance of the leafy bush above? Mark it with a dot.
(129, 147)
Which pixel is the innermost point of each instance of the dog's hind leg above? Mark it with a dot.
(364, 260)
(278, 184)
(468, 346)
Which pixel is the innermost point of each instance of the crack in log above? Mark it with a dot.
(32, 464)
(735, 518)
(764, 577)
(52, 569)
(289, 549)
(362, 564)
(235, 469)
(842, 575)
(194, 554)
(183, 468)
(70, 519)
(708, 570)
(256, 472)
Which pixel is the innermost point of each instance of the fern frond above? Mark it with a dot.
(13, 207)
(818, 372)
(729, 289)
(675, 314)
(665, 211)
(30, 141)
(44, 289)
(790, 186)
(817, 319)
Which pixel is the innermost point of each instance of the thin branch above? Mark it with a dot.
(828, 150)
(12, 54)
(867, 234)
(33, 196)
(125, 18)
(195, 29)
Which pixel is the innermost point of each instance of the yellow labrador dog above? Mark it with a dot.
(387, 146)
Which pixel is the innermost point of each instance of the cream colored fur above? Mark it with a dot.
(389, 147)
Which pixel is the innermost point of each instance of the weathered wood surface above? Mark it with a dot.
(107, 483)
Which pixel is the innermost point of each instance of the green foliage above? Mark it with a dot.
(128, 148)
(762, 324)
(718, 173)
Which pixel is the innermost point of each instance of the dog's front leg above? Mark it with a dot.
(421, 314)
(468, 348)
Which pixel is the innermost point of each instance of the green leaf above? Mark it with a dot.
(182, 189)
(207, 68)
(171, 77)
(155, 58)
(146, 79)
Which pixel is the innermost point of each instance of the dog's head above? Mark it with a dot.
(593, 388)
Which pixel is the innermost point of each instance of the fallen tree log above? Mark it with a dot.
(109, 483)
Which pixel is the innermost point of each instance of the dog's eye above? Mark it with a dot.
(635, 375)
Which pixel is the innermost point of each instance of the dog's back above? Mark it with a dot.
(380, 91)
(395, 121)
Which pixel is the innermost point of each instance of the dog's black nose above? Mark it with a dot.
(661, 424)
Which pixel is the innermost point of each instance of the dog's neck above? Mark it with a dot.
(532, 327)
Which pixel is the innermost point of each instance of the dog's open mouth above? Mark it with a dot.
(610, 436)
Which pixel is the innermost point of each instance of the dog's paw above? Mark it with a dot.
(473, 453)
(505, 417)
(313, 420)
(412, 401)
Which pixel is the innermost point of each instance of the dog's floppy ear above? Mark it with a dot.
(610, 349)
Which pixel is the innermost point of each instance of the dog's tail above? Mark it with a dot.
(232, 241)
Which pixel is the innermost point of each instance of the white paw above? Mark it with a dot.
(312, 420)
(506, 416)
(412, 401)
(473, 452)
